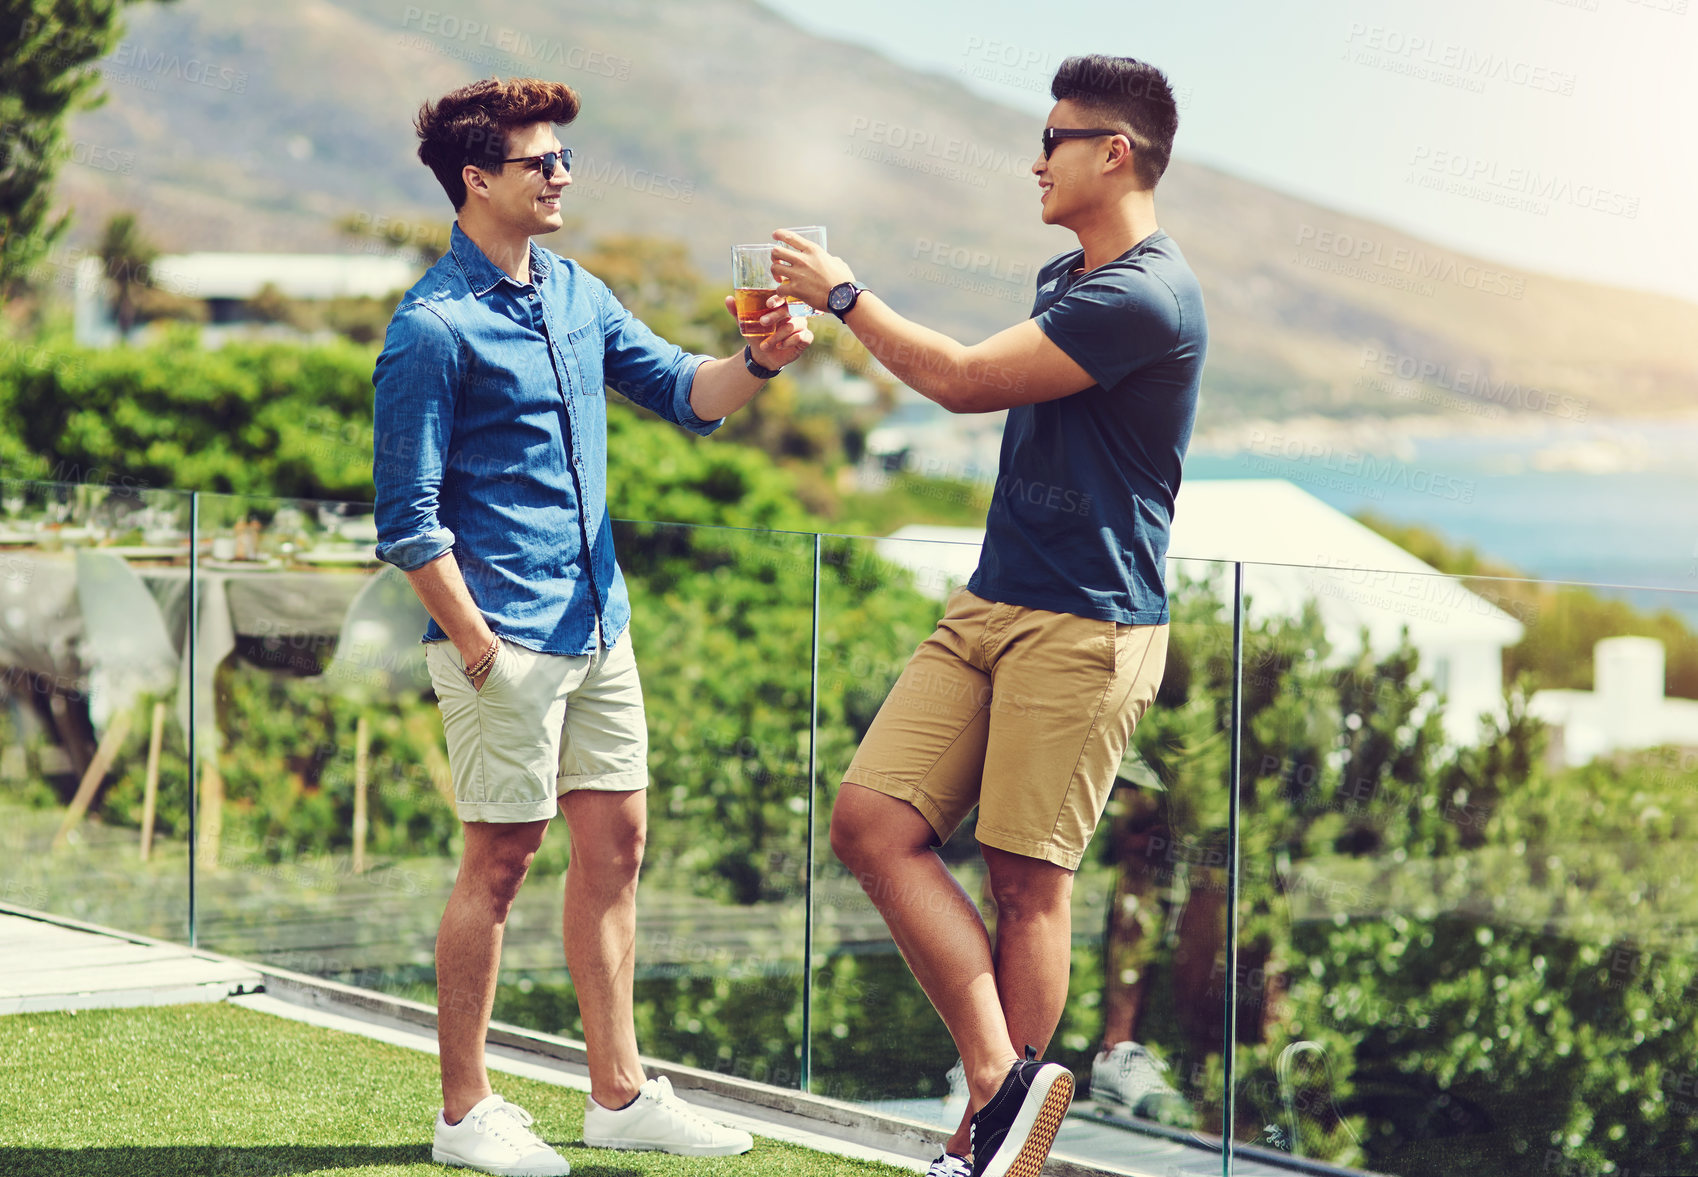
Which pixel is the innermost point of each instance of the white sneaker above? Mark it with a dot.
(950, 1165)
(658, 1120)
(1132, 1076)
(496, 1137)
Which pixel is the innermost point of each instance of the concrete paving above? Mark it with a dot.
(48, 966)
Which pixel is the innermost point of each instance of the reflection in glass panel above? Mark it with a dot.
(93, 767)
(1160, 860)
(1466, 874)
(1148, 916)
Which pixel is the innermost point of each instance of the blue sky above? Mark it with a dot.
(1558, 135)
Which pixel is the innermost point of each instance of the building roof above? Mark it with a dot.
(295, 275)
(1296, 548)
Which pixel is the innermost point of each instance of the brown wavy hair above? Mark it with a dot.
(471, 125)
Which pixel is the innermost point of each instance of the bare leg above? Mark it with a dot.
(600, 932)
(468, 953)
(1033, 956)
(885, 843)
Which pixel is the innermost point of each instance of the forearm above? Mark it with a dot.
(722, 387)
(444, 594)
(929, 362)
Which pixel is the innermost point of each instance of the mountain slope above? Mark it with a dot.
(714, 122)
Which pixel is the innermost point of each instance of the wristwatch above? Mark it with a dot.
(755, 369)
(842, 298)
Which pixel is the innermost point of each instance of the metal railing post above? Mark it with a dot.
(1229, 1055)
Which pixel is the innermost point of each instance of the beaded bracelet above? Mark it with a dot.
(483, 664)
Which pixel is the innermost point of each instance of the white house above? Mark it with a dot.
(226, 281)
(1625, 709)
(1298, 549)
(921, 438)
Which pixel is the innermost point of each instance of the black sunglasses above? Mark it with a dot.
(1054, 135)
(546, 161)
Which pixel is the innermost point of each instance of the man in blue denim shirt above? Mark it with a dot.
(491, 471)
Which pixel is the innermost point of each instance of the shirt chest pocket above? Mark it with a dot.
(584, 355)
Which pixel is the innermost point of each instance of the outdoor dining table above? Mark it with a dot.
(44, 639)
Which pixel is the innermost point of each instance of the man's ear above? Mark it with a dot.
(1119, 152)
(474, 179)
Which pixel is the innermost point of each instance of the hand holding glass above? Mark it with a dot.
(816, 234)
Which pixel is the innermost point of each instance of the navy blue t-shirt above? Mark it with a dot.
(1084, 493)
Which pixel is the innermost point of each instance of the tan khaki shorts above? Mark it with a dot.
(541, 726)
(1022, 712)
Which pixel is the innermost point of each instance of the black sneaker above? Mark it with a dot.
(950, 1165)
(1012, 1133)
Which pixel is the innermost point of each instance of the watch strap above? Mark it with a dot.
(756, 369)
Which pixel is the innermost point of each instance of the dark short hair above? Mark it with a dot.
(1132, 96)
(471, 125)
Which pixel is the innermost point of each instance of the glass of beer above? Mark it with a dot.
(752, 284)
(816, 234)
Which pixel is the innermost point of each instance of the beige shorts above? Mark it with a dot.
(541, 726)
(1022, 712)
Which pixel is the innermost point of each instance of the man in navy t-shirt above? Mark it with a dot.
(1023, 700)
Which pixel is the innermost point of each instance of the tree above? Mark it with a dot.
(126, 258)
(425, 240)
(47, 51)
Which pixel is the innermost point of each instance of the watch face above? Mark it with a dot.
(841, 296)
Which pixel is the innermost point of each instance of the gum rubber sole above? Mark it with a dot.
(1034, 1150)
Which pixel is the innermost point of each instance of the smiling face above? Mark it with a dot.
(1073, 180)
(519, 197)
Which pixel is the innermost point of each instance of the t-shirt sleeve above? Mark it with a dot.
(1112, 325)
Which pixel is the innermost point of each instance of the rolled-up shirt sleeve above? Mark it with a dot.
(417, 380)
(645, 369)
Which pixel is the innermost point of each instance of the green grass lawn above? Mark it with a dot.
(216, 1089)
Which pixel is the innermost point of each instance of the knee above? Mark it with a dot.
(849, 840)
(499, 881)
(1031, 892)
(614, 863)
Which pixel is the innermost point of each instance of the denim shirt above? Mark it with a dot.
(490, 439)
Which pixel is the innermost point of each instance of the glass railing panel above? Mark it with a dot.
(722, 622)
(323, 825)
(1466, 900)
(322, 697)
(93, 749)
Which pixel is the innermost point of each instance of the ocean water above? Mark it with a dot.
(1610, 504)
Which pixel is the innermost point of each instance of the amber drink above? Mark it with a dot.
(752, 284)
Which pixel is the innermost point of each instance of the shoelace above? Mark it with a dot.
(509, 1124)
(950, 1165)
(1134, 1060)
(669, 1100)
